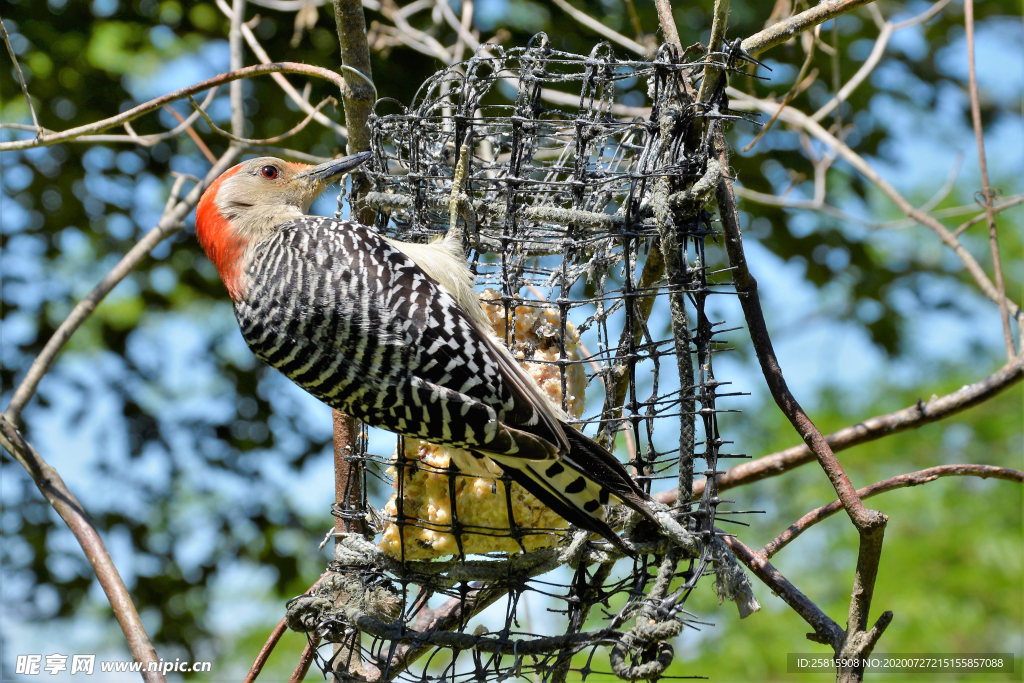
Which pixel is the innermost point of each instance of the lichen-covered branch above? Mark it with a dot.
(779, 33)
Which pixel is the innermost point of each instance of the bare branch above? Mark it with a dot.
(891, 484)
(873, 428)
(801, 204)
(152, 105)
(862, 73)
(266, 141)
(787, 99)
(986, 189)
(602, 30)
(564, 99)
(290, 154)
(923, 17)
(1013, 201)
(413, 37)
(83, 309)
(265, 651)
(293, 94)
(746, 288)
(947, 186)
(235, 42)
(190, 130)
(888, 28)
(720, 19)
(21, 78)
(668, 23)
(857, 641)
(779, 33)
(825, 629)
(801, 120)
(303, 666)
(133, 137)
(70, 510)
(463, 26)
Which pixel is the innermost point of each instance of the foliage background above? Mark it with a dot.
(211, 478)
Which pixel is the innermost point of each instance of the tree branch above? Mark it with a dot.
(358, 97)
(746, 288)
(170, 222)
(264, 654)
(135, 112)
(873, 428)
(56, 493)
(801, 120)
(21, 78)
(986, 189)
(825, 629)
(602, 30)
(779, 33)
(719, 21)
(668, 23)
(235, 42)
(281, 81)
(891, 484)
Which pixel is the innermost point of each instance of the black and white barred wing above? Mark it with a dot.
(419, 365)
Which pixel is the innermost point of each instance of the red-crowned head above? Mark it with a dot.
(248, 203)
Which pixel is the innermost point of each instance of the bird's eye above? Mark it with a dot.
(269, 172)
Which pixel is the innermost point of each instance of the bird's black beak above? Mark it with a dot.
(325, 173)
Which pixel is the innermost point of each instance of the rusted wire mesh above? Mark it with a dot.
(586, 229)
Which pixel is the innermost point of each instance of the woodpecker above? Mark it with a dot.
(392, 333)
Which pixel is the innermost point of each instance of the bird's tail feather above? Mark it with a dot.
(579, 484)
(529, 476)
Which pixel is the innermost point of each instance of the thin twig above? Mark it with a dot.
(237, 92)
(871, 429)
(273, 638)
(1013, 201)
(154, 104)
(898, 482)
(602, 30)
(191, 131)
(21, 78)
(801, 205)
(888, 28)
(282, 82)
(464, 25)
(947, 186)
(287, 153)
(265, 651)
(84, 308)
(877, 52)
(71, 511)
(668, 23)
(266, 141)
(787, 99)
(414, 38)
(798, 118)
(825, 629)
(302, 668)
(986, 189)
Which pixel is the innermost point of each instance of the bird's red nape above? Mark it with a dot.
(222, 245)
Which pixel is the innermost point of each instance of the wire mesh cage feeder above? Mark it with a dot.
(586, 234)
